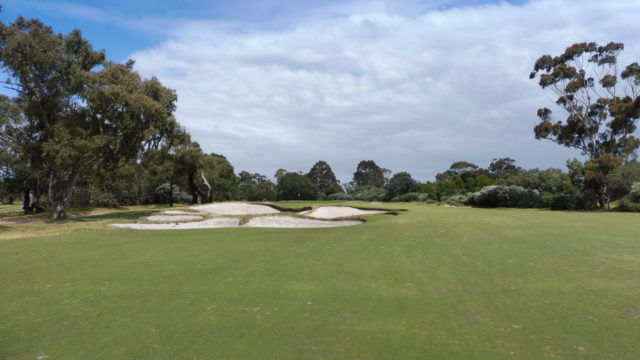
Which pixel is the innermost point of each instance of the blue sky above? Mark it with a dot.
(414, 85)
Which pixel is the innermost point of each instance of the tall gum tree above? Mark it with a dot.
(602, 106)
(83, 112)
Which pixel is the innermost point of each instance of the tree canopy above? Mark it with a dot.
(601, 103)
(79, 111)
(369, 173)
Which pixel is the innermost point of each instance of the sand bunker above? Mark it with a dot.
(335, 212)
(221, 222)
(286, 222)
(173, 219)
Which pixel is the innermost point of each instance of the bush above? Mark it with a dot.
(568, 201)
(626, 205)
(370, 193)
(634, 194)
(412, 196)
(179, 196)
(107, 200)
(458, 198)
(505, 196)
(339, 196)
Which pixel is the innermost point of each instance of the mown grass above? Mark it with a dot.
(430, 283)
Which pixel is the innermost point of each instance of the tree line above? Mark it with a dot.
(85, 131)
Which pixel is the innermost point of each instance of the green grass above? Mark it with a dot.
(430, 283)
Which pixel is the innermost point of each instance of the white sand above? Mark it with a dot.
(171, 218)
(221, 222)
(271, 221)
(178, 212)
(296, 222)
(235, 208)
(334, 212)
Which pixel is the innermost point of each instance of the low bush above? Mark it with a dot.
(505, 196)
(627, 205)
(339, 196)
(370, 193)
(634, 194)
(457, 199)
(107, 200)
(412, 196)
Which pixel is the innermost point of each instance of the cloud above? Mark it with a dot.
(412, 91)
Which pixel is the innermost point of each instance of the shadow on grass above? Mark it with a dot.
(116, 215)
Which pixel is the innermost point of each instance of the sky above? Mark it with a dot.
(413, 85)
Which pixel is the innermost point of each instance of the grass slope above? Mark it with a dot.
(432, 282)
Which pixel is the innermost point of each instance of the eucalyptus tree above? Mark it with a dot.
(602, 106)
(81, 111)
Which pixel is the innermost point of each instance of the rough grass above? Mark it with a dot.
(433, 282)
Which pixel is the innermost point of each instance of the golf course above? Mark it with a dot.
(432, 282)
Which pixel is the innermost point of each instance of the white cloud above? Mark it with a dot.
(414, 92)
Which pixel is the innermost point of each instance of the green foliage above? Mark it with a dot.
(634, 194)
(505, 196)
(164, 191)
(400, 184)
(220, 173)
(368, 173)
(106, 200)
(370, 193)
(80, 112)
(339, 196)
(324, 178)
(621, 179)
(461, 177)
(294, 186)
(255, 187)
(595, 125)
(412, 196)
(458, 198)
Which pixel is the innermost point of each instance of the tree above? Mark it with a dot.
(503, 167)
(369, 173)
(78, 116)
(323, 177)
(220, 173)
(602, 111)
(400, 184)
(294, 186)
(255, 187)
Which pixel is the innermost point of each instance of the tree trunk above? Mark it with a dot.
(170, 194)
(61, 186)
(26, 203)
(207, 198)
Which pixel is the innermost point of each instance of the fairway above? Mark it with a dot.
(430, 283)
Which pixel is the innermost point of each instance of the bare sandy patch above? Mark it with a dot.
(296, 222)
(335, 212)
(178, 212)
(171, 218)
(270, 221)
(220, 222)
(235, 208)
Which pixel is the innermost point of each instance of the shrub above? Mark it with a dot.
(107, 200)
(412, 196)
(627, 205)
(634, 194)
(339, 196)
(458, 198)
(370, 193)
(179, 196)
(505, 196)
